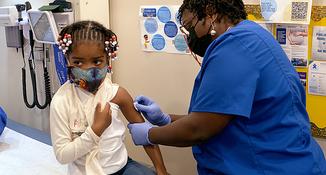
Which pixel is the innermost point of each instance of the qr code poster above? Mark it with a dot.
(286, 11)
(160, 30)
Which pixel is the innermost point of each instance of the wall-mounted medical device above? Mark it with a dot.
(8, 16)
(43, 26)
(63, 19)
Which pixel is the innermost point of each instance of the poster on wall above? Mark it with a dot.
(303, 78)
(317, 78)
(286, 11)
(319, 43)
(160, 30)
(294, 41)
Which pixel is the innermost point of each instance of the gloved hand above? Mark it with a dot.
(151, 111)
(139, 133)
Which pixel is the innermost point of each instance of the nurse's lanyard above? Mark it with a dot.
(185, 34)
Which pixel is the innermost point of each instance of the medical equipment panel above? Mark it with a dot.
(43, 26)
(8, 16)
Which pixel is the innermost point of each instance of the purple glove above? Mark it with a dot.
(151, 111)
(139, 133)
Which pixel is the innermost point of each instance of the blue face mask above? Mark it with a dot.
(89, 79)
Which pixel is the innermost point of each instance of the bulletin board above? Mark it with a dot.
(159, 26)
(316, 105)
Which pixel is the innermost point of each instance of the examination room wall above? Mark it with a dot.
(11, 96)
(167, 78)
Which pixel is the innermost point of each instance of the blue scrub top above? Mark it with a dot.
(3, 120)
(246, 73)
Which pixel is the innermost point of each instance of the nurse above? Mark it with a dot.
(3, 120)
(247, 113)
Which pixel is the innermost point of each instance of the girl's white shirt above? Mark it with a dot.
(75, 143)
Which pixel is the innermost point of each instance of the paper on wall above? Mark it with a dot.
(319, 43)
(294, 41)
(286, 11)
(317, 78)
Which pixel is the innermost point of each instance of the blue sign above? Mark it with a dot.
(281, 35)
(171, 29)
(151, 25)
(60, 64)
(164, 14)
(180, 43)
(149, 12)
(158, 42)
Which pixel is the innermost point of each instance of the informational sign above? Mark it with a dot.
(303, 78)
(160, 30)
(317, 78)
(294, 41)
(319, 43)
(286, 11)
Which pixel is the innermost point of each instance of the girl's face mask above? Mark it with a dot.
(89, 79)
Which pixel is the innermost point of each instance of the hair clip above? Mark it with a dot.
(112, 47)
(64, 42)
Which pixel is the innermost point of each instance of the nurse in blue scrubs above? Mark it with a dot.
(3, 120)
(247, 112)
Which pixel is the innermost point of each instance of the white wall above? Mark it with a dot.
(95, 10)
(11, 97)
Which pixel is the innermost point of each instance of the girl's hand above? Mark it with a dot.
(102, 119)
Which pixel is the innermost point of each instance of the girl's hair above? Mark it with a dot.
(87, 31)
(232, 9)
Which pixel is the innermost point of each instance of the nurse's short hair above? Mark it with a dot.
(234, 10)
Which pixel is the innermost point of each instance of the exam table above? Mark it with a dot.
(27, 151)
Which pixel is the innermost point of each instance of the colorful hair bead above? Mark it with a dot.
(64, 42)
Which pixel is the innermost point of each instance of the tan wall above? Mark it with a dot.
(167, 78)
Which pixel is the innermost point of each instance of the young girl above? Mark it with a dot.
(85, 129)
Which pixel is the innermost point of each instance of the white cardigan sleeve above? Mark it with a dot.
(66, 149)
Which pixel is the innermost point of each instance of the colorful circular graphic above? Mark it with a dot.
(180, 43)
(158, 42)
(151, 25)
(164, 14)
(268, 8)
(170, 29)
